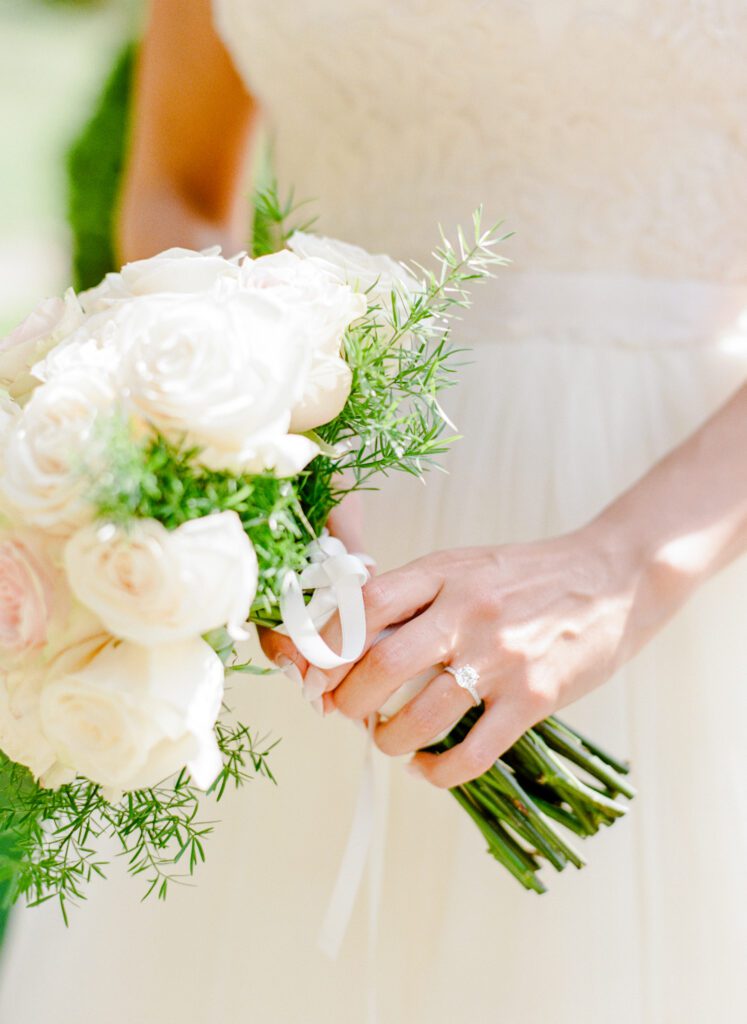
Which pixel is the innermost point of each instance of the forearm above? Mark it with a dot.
(157, 215)
(191, 124)
(686, 518)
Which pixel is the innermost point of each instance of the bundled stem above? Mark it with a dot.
(518, 803)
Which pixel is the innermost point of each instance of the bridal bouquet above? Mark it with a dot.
(172, 443)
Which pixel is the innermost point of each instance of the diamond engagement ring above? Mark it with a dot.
(468, 678)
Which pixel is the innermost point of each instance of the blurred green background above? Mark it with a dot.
(56, 57)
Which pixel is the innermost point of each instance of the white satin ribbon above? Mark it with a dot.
(365, 846)
(350, 872)
(337, 579)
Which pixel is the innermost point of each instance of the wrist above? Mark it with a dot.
(643, 564)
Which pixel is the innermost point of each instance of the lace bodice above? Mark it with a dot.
(611, 134)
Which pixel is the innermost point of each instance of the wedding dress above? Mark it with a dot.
(612, 136)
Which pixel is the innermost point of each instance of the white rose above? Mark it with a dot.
(378, 276)
(153, 586)
(326, 305)
(21, 735)
(9, 415)
(52, 321)
(327, 308)
(63, 625)
(92, 347)
(49, 445)
(175, 270)
(224, 370)
(128, 717)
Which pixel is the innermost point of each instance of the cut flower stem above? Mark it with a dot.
(519, 802)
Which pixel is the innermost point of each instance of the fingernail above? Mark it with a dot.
(289, 669)
(328, 705)
(317, 706)
(314, 684)
(412, 769)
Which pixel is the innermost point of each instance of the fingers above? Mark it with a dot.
(282, 652)
(391, 598)
(346, 522)
(492, 735)
(390, 662)
(429, 714)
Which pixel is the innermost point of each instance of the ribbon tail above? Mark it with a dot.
(382, 778)
(350, 874)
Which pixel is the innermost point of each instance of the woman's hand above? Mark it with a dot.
(542, 623)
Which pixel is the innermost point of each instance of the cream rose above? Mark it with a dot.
(21, 735)
(327, 308)
(224, 370)
(153, 586)
(47, 447)
(70, 629)
(52, 321)
(175, 270)
(128, 717)
(9, 414)
(378, 276)
(91, 348)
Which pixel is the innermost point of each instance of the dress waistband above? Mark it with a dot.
(607, 309)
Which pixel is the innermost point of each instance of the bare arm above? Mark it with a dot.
(191, 125)
(545, 622)
(687, 517)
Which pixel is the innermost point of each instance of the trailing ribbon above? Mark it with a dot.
(337, 579)
(365, 844)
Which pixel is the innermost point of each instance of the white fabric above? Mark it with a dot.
(613, 135)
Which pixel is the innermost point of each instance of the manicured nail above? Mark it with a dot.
(413, 769)
(314, 684)
(317, 706)
(328, 704)
(289, 669)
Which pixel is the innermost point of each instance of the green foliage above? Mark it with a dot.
(271, 222)
(401, 361)
(94, 169)
(52, 837)
(164, 481)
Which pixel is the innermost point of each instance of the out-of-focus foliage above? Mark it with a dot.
(94, 169)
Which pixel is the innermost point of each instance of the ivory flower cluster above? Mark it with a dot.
(104, 669)
(172, 444)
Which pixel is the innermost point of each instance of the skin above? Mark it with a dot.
(191, 129)
(543, 623)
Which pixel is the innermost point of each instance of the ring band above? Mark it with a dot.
(467, 677)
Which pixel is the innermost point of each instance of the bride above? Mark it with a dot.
(571, 552)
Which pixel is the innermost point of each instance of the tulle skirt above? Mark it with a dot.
(591, 380)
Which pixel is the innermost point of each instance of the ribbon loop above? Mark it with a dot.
(337, 579)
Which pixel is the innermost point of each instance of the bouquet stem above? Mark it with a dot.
(519, 802)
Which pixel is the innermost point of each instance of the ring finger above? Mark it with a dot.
(431, 713)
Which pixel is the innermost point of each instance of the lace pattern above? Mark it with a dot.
(612, 133)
